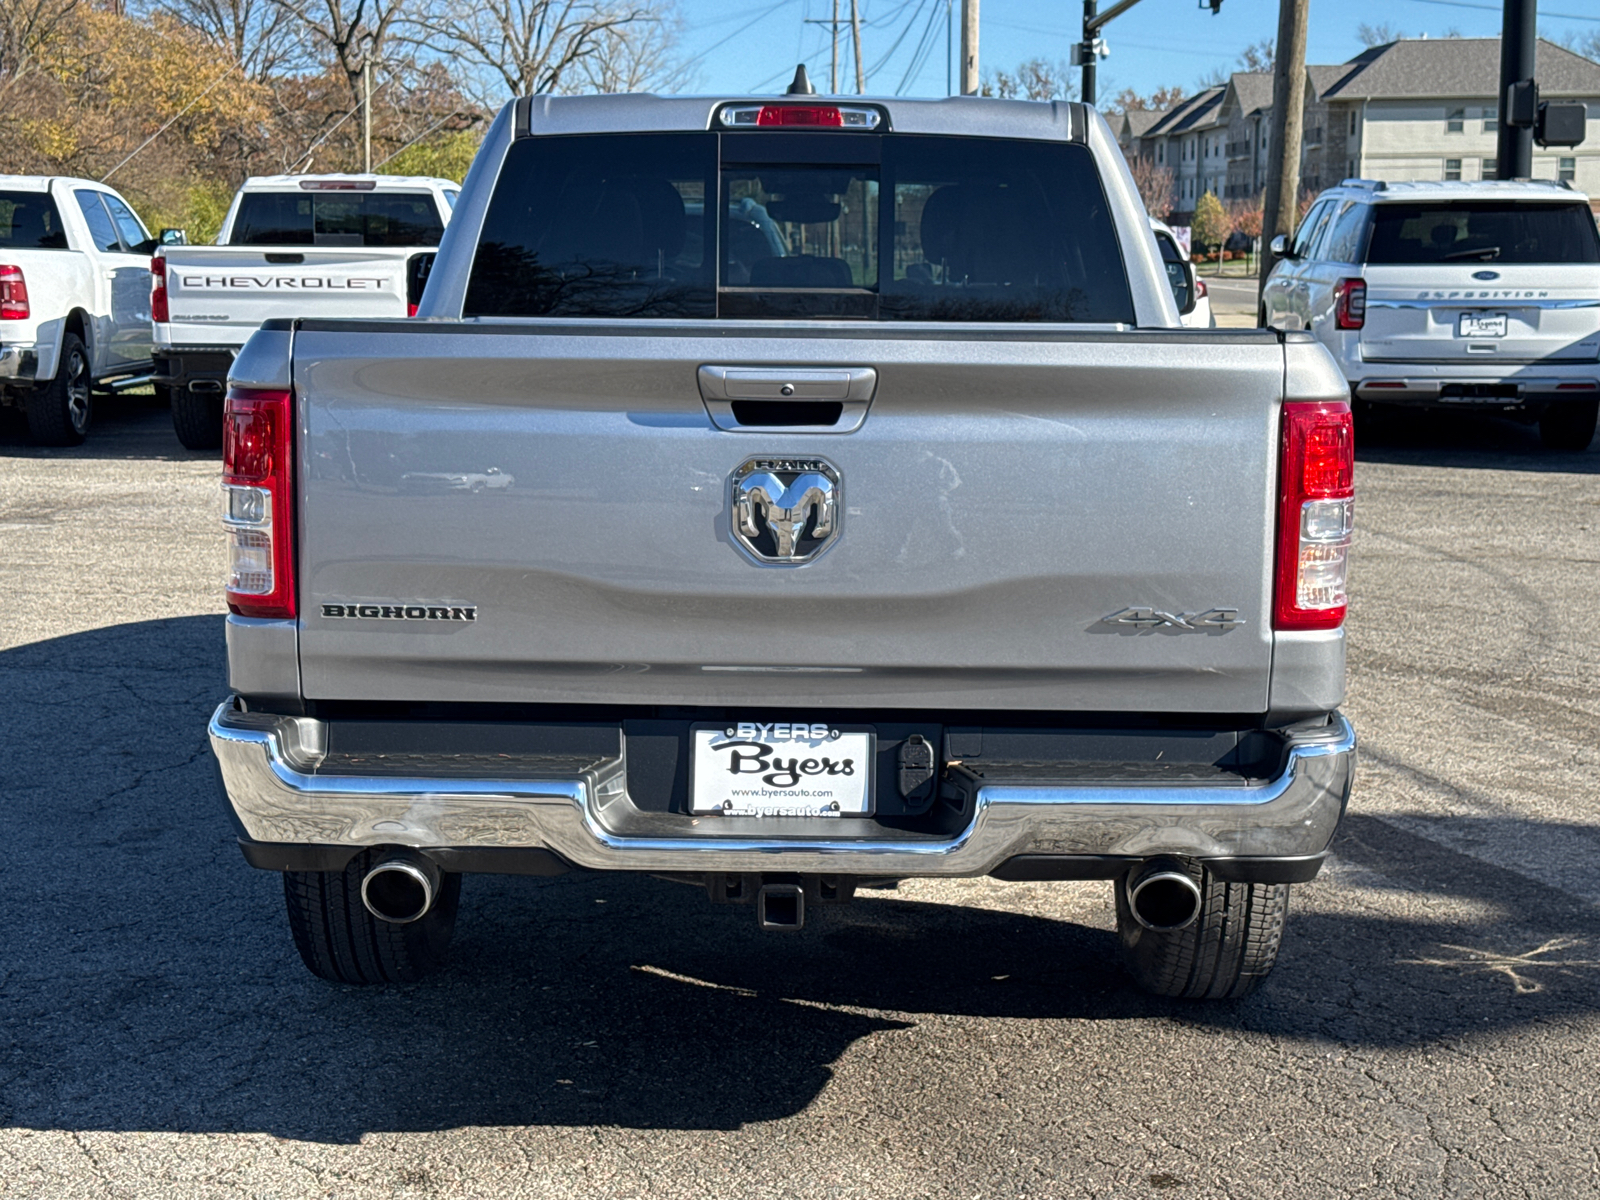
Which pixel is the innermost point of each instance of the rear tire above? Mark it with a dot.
(1223, 954)
(339, 940)
(59, 412)
(1569, 424)
(197, 418)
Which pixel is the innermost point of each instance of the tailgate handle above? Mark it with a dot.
(788, 399)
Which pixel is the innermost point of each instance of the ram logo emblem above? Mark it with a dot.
(786, 510)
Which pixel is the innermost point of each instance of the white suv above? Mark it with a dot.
(1459, 295)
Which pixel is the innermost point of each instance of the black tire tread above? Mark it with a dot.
(1569, 425)
(197, 419)
(1225, 954)
(339, 940)
(48, 421)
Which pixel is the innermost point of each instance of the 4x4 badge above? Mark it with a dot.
(1155, 618)
(786, 510)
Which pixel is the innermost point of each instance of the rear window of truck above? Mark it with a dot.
(30, 221)
(797, 225)
(1483, 231)
(337, 219)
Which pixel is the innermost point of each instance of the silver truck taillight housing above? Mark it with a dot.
(257, 447)
(1316, 515)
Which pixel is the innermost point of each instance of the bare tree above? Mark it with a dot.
(350, 32)
(1258, 57)
(1036, 79)
(523, 47)
(1163, 98)
(1154, 184)
(641, 56)
(1377, 35)
(1586, 44)
(264, 35)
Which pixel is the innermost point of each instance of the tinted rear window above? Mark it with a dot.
(337, 219)
(1483, 231)
(29, 221)
(802, 225)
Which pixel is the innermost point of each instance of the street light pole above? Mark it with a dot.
(1518, 37)
(1090, 29)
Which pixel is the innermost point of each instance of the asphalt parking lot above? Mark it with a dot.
(1431, 1029)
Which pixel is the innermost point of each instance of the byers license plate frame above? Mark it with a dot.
(789, 769)
(1483, 325)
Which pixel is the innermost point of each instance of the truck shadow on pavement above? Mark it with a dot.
(1462, 440)
(148, 981)
(130, 426)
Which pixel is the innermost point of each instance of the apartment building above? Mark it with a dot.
(1418, 108)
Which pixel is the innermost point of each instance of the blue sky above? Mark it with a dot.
(753, 45)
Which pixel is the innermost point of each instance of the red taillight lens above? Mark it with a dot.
(1350, 303)
(1316, 511)
(411, 310)
(13, 294)
(800, 114)
(258, 512)
(1200, 289)
(158, 289)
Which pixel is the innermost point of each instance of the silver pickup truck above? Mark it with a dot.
(861, 511)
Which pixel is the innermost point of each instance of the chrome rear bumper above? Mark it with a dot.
(270, 777)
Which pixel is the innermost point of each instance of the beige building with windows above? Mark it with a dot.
(1413, 109)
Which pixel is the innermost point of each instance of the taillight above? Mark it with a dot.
(826, 116)
(158, 289)
(257, 501)
(1200, 289)
(1350, 303)
(13, 294)
(1316, 511)
(411, 310)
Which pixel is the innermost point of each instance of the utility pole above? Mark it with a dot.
(1518, 37)
(1089, 72)
(949, 58)
(855, 35)
(366, 112)
(969, 47)
(833, 75)
(1281, 208)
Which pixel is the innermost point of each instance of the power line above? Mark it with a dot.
(753, 21)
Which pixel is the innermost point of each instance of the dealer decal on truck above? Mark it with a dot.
(267, 283)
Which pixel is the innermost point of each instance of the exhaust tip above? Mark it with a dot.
(1163, 896)
(400, 890)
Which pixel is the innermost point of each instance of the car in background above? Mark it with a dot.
(1188, 289)
(1480, 296)
(74, 301)
(290, 246)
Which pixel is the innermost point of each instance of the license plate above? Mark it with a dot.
(781, 769)
(1485, 325)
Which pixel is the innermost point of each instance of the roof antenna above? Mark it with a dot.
(802, 83)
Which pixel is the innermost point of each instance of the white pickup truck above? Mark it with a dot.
(291, 246)
(74, 301)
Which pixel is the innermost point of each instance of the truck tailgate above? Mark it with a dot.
(564, 487)
(220, 295)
